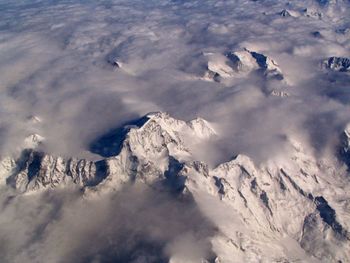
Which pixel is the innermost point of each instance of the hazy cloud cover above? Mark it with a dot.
(136, 224)
(55, 64)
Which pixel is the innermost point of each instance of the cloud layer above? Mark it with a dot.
(135, 225)
(85, 67)
(55, 65)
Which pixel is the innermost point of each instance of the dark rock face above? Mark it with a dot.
(316, 34)
(35, 170)
(328, 216)
(340, 64)
(110, 143)
(322, 2)
(285, 13)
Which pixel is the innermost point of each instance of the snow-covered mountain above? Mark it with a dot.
(340, 64)
(281, 211)
(262, 176)
(240, 63)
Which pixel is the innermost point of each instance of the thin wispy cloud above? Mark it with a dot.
(72, 71)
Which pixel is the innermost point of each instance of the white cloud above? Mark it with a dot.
(54, 65)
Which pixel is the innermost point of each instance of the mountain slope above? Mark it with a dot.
(275, 212)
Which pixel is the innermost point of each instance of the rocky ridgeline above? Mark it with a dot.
(144, 153)
(340, 64)
(239, 63)
(297, 199)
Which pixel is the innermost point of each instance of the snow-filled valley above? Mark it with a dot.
(174, 131)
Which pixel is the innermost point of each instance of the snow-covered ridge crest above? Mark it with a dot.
(197, 127)
(259, 196)
(162, 131)
(157, 152)
(239, 64)
(146, 148)
(149, 151)
(340, 64)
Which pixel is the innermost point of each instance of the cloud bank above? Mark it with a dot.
(136, 224)
(55, 64)
(86, 67)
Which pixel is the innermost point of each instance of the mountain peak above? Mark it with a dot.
(340, 64)
(157, 152)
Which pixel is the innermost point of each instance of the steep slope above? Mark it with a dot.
(144, 154)
(340, 64)
(294, 210)
(239, 64)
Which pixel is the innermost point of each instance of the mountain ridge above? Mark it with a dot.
(264, 197)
